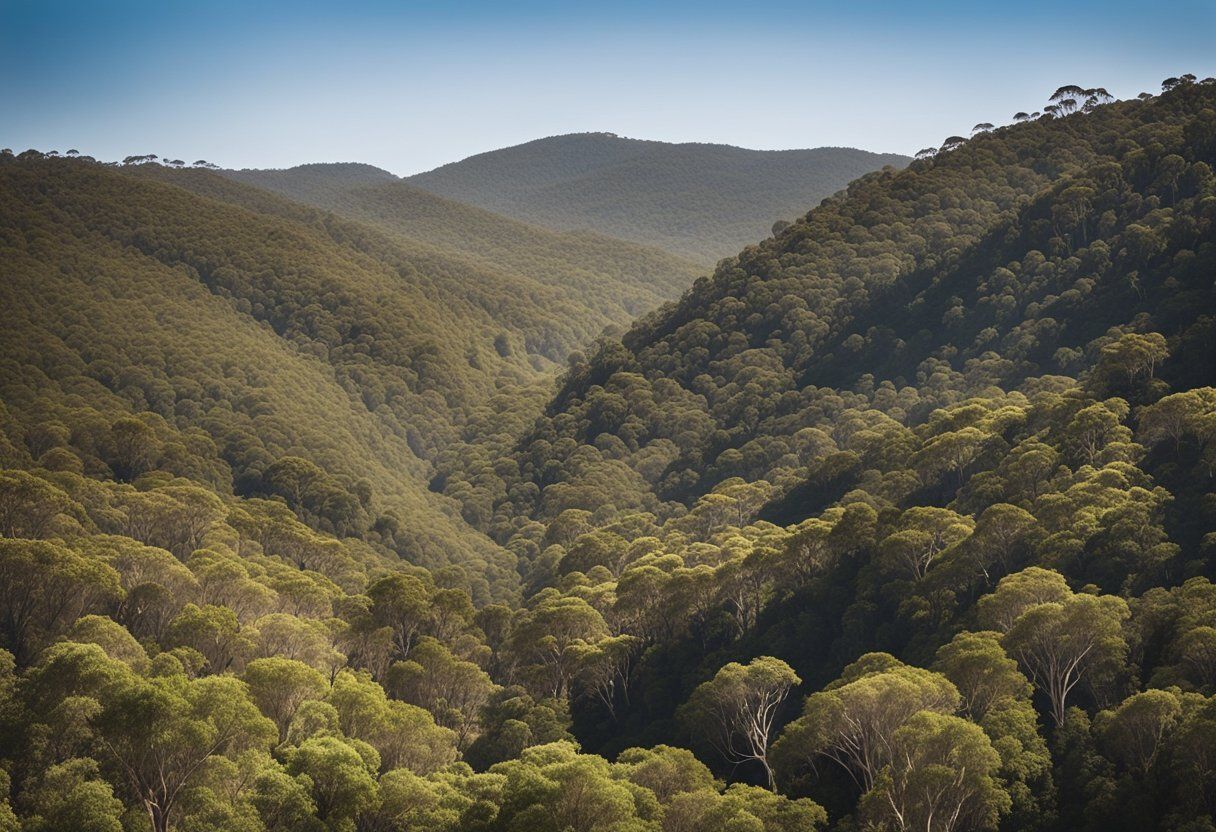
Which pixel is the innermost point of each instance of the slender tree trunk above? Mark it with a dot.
(768, 771)
(158, 816)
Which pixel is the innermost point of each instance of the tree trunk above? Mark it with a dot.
(158, 816)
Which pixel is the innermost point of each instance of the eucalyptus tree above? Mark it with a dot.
(737, 708)
(853, 721)
(943, 777)
(1057, 636)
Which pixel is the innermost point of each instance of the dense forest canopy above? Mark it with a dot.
(701, 201)
(555, 291)
(902, 519)
(615, 280)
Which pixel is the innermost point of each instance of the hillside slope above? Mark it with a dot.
(995, 369)
(614, 279)
(1005, 260)
(545, 304)
(700, 201)
(265, 335)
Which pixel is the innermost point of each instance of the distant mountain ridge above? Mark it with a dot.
(303, 180)
(697, 200)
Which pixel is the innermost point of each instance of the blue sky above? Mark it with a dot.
(411, 85)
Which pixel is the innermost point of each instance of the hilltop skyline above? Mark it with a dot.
(414, 86)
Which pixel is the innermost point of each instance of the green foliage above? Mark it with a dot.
(942, 776)
(557, 289)
(72, 795)
(737, 708)
(831, 337)
(854, 722)
(937, 459)
(342, 782)
(333, 374)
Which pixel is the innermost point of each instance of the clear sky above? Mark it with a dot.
(411, 85)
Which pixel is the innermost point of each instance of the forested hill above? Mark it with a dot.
(253, 351)
(903, 519)
(959, 417)
(1022, 257)
(700, 201)
(616, 280)
(304, 181)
